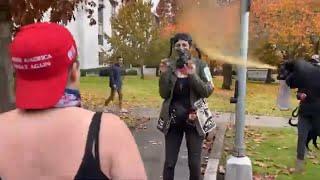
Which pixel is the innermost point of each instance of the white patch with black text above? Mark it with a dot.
(204, 115)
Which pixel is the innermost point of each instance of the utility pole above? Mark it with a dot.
(6, 72)
(239, 166)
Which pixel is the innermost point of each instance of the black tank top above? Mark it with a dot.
(90, 168)
(180, 103)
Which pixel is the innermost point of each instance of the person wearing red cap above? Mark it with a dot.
(49, 136)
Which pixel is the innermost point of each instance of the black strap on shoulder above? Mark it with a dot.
(93, 138)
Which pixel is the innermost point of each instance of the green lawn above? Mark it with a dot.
(273, 151)
(136, 92)
(261, 98)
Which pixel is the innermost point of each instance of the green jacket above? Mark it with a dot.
(200, 84)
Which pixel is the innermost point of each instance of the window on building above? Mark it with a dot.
(100, 22)
(114, 5)
(101, 58)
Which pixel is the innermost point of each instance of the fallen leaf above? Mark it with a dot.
(260, 164)
(291, 170)
(203, 170)
(221, 169)
(315, 162)
(257, 177)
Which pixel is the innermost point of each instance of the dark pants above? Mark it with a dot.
(305, 125)
(173, 141)
(111, 97)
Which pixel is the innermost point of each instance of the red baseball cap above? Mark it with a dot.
(41, 55)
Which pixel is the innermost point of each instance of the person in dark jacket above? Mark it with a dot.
(115, 83)
(304, 76)
(182, 82)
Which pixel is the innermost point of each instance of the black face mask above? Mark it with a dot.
(183, 57)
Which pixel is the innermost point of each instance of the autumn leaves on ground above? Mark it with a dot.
(272, 152)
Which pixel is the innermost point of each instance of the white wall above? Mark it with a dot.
(107, 23)
(90, 44)
(146, 71)
(86, 37)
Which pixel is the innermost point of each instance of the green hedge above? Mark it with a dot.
(132, 72)
(104, 71)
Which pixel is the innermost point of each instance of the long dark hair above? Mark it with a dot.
(185, 37)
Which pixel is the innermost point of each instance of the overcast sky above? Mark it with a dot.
(155, 3)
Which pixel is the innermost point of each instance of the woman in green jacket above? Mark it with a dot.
(182, 82)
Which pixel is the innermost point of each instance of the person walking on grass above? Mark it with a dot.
(115, 84)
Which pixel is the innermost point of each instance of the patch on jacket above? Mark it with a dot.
(207, 74)
(204, 115)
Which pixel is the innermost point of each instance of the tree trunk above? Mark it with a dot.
(141, 70)
(6, 73)
(227, 76)
(269, 79)
(316, 47)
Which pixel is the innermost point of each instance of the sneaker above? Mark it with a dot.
(300, 164)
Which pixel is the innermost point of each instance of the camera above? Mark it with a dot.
(183, 57)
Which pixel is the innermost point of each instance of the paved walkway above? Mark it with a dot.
(151, 141)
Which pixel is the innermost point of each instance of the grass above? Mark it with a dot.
(136, 92)
(273, 151)
(261, 98)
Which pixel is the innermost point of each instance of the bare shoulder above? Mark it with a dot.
(7, 117)
(113, 121)
(8, 114)
(113, 128)
(119, 150)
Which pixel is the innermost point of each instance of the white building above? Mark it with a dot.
(89, 39)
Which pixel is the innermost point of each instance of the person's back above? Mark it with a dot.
(51, 144)
(49, 136)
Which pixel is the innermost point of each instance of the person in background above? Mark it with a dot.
(304, 75)
(115, 83)
(49, 136)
